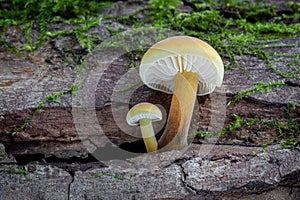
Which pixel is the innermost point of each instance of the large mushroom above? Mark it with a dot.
(143, 114)
(185, 67)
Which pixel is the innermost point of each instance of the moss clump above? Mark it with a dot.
(163, 11)
(288, 132)
(259, 87)
(18, 171)
(41, 13)
(22, 11)
(86, 41)
(205, 21)
(233, 27)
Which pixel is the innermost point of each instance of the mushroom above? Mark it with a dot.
(185, 67)
(143, 114)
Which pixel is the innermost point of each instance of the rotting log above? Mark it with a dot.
(56, 123)
(50, 142)
(50, 152)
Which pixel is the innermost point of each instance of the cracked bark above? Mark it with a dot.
(69, 187)
(184, 177)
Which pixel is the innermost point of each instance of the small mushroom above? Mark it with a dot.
(185, 67)
(143, 114)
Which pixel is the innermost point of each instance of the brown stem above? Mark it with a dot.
(182, 105)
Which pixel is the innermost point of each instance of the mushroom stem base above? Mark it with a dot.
(181, 110)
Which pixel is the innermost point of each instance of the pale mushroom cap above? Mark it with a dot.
(168, 57)
(143, 111)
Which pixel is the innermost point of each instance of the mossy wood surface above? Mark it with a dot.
(45, 47)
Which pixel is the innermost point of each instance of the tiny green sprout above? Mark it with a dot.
(29, 48)
(202, 133)
(238, 122)
(235, 125)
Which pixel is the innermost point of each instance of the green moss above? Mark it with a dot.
(259, 87)
(272, 30)
(206, 21)
(54, 98)
(10, 47)
(20, 12)
(200, 134)
(86, 41)
(237, 124)
(232, 27)
(19, 171)
(293, 66)
(288, 133)
(163, 11)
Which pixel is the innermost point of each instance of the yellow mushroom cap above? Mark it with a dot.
(143, 111)
(166, 58)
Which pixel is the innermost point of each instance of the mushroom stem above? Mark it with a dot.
(148, 135)
(181, 110)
